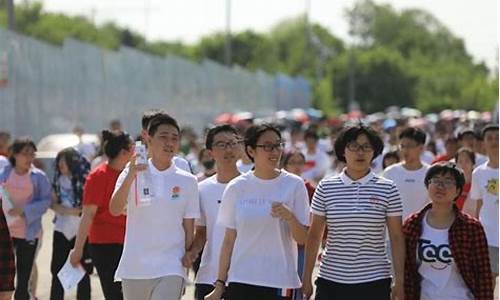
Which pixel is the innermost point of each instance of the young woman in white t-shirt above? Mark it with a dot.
(265, 212)
(158, 231)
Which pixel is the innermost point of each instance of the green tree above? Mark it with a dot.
(381, 79)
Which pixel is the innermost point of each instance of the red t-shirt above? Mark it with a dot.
(99, 187)
(442, 157)
(461, 199)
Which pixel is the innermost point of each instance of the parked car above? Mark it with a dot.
(49, 146)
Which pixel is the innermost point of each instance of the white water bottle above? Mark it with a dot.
(144, 182)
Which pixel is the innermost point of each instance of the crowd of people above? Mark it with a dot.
(397, 210)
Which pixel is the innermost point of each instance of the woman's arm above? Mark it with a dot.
(224, 264)
(313, 241)
(398, 254)
(88, 215)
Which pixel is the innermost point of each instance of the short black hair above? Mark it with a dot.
(488, 127)
(17, 147)
(148, 115)
(469, 152)
(114, 142)
(212, 132)
(443, 168)
(162, 119)
(253, 134)
(350, 134)
(391, 154)
(415, 134)
(311, 134)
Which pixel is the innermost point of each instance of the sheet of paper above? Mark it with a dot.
(70, 276)
(6, 205)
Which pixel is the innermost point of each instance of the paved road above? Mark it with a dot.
(44, 276)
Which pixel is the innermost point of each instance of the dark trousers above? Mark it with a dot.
(106, 258)
(60, 251)
(241, 291)
(379, 289)
(201, 290)
(25, 256)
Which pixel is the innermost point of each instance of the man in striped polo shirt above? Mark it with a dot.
(356, 206)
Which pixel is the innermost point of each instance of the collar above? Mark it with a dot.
(459, 215)
(348, 181)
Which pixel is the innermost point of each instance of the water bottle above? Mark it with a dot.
(144, 180)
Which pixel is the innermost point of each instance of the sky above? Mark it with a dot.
(189, 20)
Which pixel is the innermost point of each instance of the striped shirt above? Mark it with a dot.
(356, 213)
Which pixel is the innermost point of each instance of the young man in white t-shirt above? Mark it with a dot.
(224, 146)
(466, 138)
(484, 194)
(160, 230)
(409, 174)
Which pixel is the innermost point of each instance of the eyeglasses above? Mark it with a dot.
(225, 145)
(447, 183)
(271, 147)
(355, 147)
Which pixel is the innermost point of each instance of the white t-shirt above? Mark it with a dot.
(441, 279)
(316, 164)
(154, 237)
(427, 157)
(264, 253)
(480, 159)
(66, 224)
(182, 164)
(242, 167)
(411, 187)
(485, 187)
(210, 200)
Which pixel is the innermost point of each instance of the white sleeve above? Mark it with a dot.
(119, 182)
(475, 190)
(227, 210)
(202, 220)
(193, 201)
(301, 204)
(388, 174)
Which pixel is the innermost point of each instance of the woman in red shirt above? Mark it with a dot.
(105, 232)
(465, 159)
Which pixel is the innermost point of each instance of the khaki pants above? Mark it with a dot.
(163, 288)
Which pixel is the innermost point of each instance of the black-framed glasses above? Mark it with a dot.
(224, 145)
(355, 147)
(447, 183)
(271, 147)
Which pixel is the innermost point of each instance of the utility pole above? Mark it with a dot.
(227, 46)
(10, 15)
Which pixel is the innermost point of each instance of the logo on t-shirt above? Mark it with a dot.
(492, 186)
(176, 190)
(438, 256)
